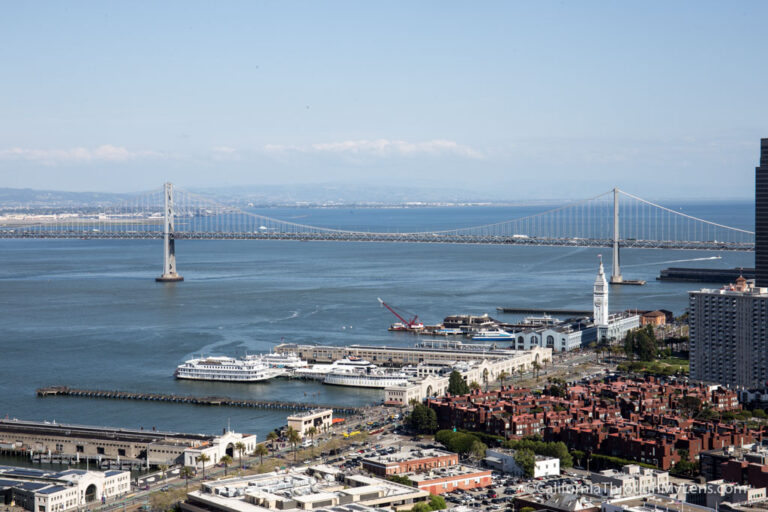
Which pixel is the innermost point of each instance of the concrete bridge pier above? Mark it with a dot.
(616, 277)
(169, 246)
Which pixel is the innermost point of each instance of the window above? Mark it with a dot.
(79, 448)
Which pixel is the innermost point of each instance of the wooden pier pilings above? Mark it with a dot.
(193, 400)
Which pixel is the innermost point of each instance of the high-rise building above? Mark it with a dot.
(728, 338)
(761, 217)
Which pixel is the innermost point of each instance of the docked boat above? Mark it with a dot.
(493, 335)
(227, 369)
(275, 360)
(371, 378)
(320, 370)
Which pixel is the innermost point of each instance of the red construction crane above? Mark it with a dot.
(403, 324)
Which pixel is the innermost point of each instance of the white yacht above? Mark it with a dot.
(275, 360)
(227, 369)
(366, 378)
(320, 370)
(493, 335)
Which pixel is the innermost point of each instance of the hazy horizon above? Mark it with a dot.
(505, 100)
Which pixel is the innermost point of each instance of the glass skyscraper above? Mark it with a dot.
(761, 217)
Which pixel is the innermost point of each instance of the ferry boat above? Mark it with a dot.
(493, 335)
(371, 378)
(227, 369)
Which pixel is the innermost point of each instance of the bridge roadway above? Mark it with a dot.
(434, 238)
(194, 400)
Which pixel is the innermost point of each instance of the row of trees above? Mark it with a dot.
(537, 447)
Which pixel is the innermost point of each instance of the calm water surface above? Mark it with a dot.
(88, 313)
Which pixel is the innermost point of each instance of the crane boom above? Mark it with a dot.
(412, 323)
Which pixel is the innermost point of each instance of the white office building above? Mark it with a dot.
(504, 460)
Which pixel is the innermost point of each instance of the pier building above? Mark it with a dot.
(58, 491)
(478, 370)
(402, 356)
(145, 447)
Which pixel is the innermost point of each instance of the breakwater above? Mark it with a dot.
(193, 400)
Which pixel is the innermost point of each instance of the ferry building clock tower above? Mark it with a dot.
(600, 298)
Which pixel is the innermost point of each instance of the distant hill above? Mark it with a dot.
(30, 198)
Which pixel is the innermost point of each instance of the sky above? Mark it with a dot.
(516, 100)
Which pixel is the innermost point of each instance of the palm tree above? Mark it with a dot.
(203, 458)
(226, 460)
(536, 368)
(294, 438)
(474, 385)
(520, 372)
(260, 452)
(186, 473)
(485, 378)
(502, 377)
(312, 432)
(272, 437)
(240, 447)
(163, 468)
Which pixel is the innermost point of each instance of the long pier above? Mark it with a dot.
(193, 400)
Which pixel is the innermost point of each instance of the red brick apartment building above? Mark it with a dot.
(645, 420)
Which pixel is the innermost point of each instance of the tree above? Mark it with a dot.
(423, 419)
(400, 479)
(520, 372)
(186, 473)
(536, 368)
(226, 460)
(437, 502)
(202, 459)
(526, 461)
(260, 452)
(457, 385)
(474, 385)
(457, 442)
(477, 450)
(502, 377)
(421, 507)
(527, 509)
(578, 455)
(240, 448)
(163, 468)
(690, 405)
(294, 439)
(272, 437)
(641, 343)
(485, 378)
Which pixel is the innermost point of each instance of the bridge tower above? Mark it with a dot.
(169, 245)
(616, 277)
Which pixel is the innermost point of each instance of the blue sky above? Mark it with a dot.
(520, 99)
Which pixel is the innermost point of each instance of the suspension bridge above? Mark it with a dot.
(614, 219)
